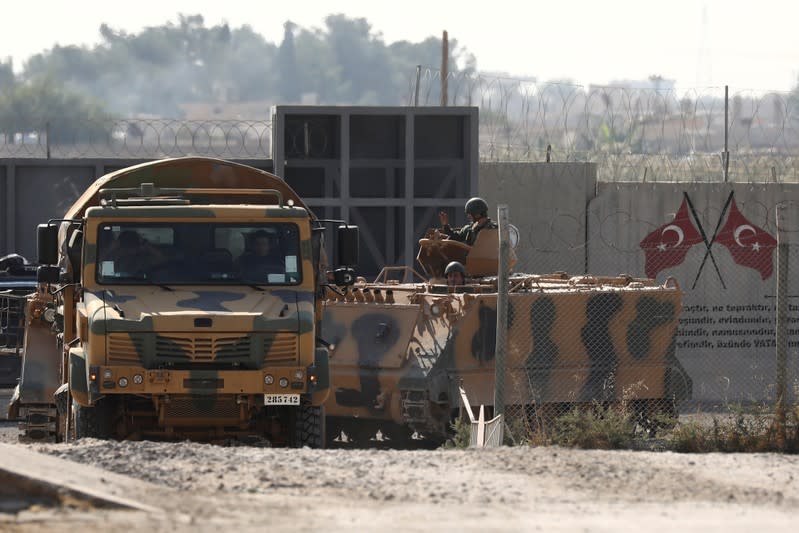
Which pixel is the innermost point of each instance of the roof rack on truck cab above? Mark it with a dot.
(149, 194)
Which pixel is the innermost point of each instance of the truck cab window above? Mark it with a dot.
(198, 253)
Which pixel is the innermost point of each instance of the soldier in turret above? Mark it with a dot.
(477, 213)
(455, 274)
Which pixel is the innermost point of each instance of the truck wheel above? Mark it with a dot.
(94, 422)
(309, 426)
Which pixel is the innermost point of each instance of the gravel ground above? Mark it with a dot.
(207, 487)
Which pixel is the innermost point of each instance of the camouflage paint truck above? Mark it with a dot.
(158, 314)
(400, 348)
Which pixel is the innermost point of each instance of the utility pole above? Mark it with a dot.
(444, 69)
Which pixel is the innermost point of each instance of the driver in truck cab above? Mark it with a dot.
(262, 258)
(131, 253)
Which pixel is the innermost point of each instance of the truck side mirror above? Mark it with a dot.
(48, 274)
(343, 277)
(348, 246)
(47, 244)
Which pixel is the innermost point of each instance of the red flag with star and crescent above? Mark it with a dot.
(749, 245)
(668, 245)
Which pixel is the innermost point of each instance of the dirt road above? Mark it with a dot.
(205, 487)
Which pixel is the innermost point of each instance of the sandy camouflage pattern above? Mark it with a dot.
(189, 356)
(571, 340)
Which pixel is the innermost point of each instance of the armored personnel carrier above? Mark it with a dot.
(401, 345)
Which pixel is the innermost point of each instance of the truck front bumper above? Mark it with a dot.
(104, 380)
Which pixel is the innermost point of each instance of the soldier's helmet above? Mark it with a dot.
(477, 206)
(454, 266)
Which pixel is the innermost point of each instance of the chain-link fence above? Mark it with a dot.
(650, 133)
(12, 327)
(587, 342)
(709, 325)
(140, 138)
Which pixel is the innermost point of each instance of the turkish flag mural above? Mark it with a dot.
(749, 245)
(668, 245)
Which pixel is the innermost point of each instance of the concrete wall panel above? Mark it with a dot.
(547, 202)
(44, 192)
(726, 336)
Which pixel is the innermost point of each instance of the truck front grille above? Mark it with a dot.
(202, 348)
(280, 348)
(152, 350)
(201, 409)
(125, 348)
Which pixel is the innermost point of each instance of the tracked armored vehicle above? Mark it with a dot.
(178, 298)
(400, 348)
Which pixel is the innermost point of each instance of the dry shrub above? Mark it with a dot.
(742, 430)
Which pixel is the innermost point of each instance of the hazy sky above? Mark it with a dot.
(699, 43)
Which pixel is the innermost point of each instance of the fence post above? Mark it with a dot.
(785, 220)
(502, 312)
(416, 89)
(444, 69)
(726, 155)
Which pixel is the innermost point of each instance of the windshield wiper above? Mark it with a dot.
(161, 285)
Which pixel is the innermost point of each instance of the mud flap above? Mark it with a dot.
(13, 405)
(78, 384)
(61, 397)
(322, 368)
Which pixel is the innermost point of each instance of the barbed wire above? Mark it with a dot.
(136, 138)
(633, 134)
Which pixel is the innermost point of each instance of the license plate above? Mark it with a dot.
(281, 399)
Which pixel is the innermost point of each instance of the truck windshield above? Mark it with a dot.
(176, 253)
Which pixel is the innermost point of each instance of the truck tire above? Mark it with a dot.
(309, 426)
(96, 422)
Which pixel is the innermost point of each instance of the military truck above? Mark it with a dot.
(178, 298)
(403, 344)
(17, 280)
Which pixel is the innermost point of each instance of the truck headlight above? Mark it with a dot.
(123, 382)
(107, 373)
(298, 374)
(284, 382)
(138, 379)
(269, 379)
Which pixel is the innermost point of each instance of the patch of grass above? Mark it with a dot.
(620, 426)
(599, 426)
(742, 430)
(461, 432)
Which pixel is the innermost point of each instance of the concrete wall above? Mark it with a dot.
(726, 337)
(547, 202)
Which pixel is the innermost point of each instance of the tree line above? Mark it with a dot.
(154, 71)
